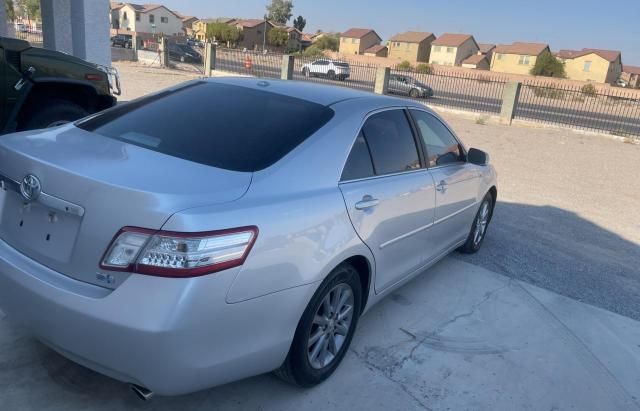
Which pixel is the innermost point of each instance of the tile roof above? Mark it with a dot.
(631, 69)
(609, 55)
(250, 23)
(451, 39)
(357, 33)
(520, 48)
(486, 47)
(475, 59)
(375, 49)
(411, 37)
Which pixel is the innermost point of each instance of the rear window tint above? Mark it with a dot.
(220, 125)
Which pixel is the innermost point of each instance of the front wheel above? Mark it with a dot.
(331, 75)
(325, 330)
(479, 226)
(305, 72)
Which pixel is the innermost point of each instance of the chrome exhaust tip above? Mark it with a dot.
(143, 393)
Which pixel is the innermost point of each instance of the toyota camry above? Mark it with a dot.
(226, 228)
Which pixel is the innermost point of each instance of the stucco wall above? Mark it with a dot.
(601, 70)
(510, 63)
(173, 27)
(351, 46)
(452, 56)
(410, 51)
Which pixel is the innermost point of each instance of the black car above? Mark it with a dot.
(184, 53)
(122, 40)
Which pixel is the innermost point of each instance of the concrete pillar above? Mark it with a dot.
(510, 97)
(209, 58)
(288, 63)
(80, 28)
(382, 80)
(3, 20)
(163, 50)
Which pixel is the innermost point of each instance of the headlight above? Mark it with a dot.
(113, 77)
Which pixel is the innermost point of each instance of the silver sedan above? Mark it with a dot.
(222, 229)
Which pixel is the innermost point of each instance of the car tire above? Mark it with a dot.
(479, 226)
(53, 112)
(331, 75)
(299, 368)
(306, 73)
(414, 93)
(182, 59)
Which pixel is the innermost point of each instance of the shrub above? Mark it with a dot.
(547, 92)
(549, 66)
(423, 68)
(589, 90)
(404, 66)
(482, 120)
(313, 51)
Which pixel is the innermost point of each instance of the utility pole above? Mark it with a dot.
(264, 35)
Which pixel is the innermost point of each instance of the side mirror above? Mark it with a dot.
(477, 157)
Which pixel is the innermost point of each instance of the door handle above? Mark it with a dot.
(442, 186)
(367, 202)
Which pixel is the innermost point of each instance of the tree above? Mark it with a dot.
(29, 9)
(278, 36)
(549, 66)
(279, 11)
(223, 32)
(300, 23)
(328, 42)
(404, 66)
(11, 11)
(313, 51)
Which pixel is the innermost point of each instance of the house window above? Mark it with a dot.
(164, 19)
(152, 18)
(523, 60)
(137, 16)
(587, 66)
(498, 56)
(124, 16)
(437, 49)
(449, 49)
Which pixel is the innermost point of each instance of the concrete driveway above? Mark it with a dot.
(457, 337)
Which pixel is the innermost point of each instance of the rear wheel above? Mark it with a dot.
(52, 113)
(414, 93)
(305, 72)
(325, 330)
(331, 75)
(479, 227)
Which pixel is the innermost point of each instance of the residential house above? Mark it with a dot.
(306, 40)
(146, 18)
(516, 58)
(452, 49)
(377, 51)
(601, 66)
(200, 26)
(187, 24)
(295, 39)
(356, 41)
(477, 61)
(486, 49)
(631, 74)
(255, 33)
(411, 46)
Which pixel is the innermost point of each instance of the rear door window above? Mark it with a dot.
(220, 125)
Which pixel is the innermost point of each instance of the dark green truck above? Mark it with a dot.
(42, 88)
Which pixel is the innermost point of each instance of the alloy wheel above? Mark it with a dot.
(481, 223)
(331, 325)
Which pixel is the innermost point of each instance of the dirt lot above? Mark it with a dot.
(567, 219)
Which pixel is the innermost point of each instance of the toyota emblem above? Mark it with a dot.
(30, 187)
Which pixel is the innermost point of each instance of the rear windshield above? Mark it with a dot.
(220, 125)
(341, 64)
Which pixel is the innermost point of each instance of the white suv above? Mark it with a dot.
(334, 70)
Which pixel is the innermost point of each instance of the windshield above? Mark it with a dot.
(230, 127)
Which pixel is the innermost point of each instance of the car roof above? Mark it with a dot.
(325, 95)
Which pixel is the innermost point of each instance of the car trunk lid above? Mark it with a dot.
(92, 186)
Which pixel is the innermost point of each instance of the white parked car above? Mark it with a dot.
(334, 70)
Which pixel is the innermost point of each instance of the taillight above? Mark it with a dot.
(177, 254)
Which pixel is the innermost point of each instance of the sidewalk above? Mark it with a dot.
(458, 337)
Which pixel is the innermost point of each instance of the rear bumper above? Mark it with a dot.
(172, 336)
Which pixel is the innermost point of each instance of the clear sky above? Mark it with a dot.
(561, 23)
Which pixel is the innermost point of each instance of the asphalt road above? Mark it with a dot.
(363, 78)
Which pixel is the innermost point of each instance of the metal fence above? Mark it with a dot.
(361, 77)
(35, 38)
(249, 63)
(472, 92)
(616, 111)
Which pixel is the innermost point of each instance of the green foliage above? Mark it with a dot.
(223, 33)
(29, 9)
(11, 11)
(548, 92)
(278, 36)
(404, 66)
(313, 51)
(328, 42)
(548, 65)
(423, 68)
(589, 90)
(300, 23)
(279, 11)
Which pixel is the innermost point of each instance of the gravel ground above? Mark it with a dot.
(567, 218)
